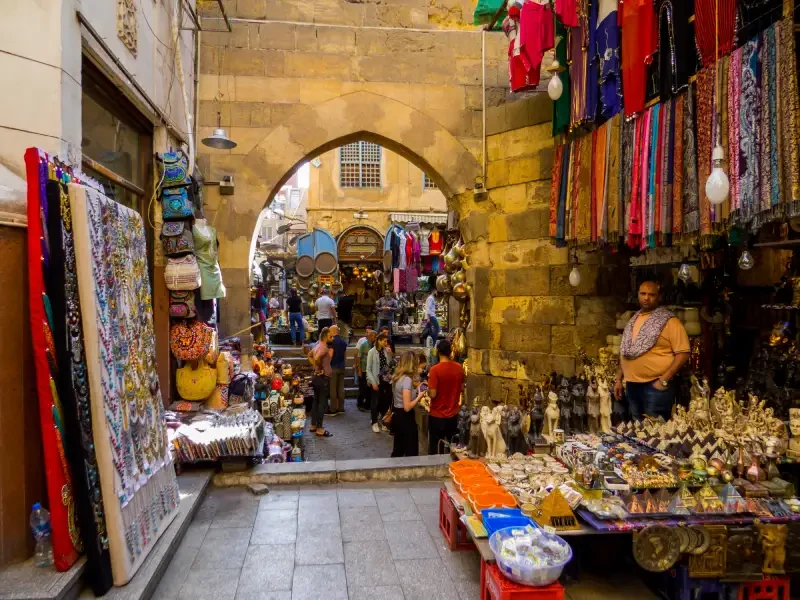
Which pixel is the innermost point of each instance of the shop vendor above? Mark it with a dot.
(654, 348)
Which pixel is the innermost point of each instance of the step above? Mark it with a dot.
(413, 468)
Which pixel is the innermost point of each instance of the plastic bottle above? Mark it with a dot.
(40, 525)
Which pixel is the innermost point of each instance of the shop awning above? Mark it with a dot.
(439, 218)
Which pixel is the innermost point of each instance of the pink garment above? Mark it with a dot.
(535, 37)
(396, 274)
(411, 280)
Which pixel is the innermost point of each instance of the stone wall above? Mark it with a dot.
(526, 318)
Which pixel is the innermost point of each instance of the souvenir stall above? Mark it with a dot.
(111, 486)
(360, 250)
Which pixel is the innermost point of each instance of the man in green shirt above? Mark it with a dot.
(362, 350)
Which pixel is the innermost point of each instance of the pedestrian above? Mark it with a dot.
(404, 399)
(654, 348)
(379, 369)
(294, 306)
(274, 304)
(344, 311)
(326, 309)
(432, 327)
(363, 347)
(387, 307)
(445, 382)
(338, 364)
(320, 358)
(385, 330)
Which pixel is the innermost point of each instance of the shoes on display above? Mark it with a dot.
(375, 428)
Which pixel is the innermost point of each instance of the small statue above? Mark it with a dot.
(463, 426)
(605, 406)
(551, 415)
(490, 426)
(475, 433)
(593, 406)
(565, 405)
(537, 415)
(794, 427)
(780, 332)
(516, 441)
(773, 545)
(578, 423)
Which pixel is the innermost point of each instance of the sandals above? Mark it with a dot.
(325, 433)
(312, 429)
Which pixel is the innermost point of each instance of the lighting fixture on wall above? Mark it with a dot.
(746, 261)
(555, 88)
(684, 273)
(219, 139)
(717, 184)
(575, 274)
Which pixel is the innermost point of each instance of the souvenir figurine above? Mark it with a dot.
(490, 426)
(578, 424)
(773, 545)
(593, 405)
(537, 415)
(463, 426)
(565, 405)
(474, 433)
(794, 427)
(551, 415)
(605, 406)
(516, 441)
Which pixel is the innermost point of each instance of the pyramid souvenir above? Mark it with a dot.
(708, 500)
(556, 513)
(732, 500)
(662, 501)
(683, 503)
(648, 503)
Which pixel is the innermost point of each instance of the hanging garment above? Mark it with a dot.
(534, 37)
(676, 54)
(424, 246)
(789, 115)
(401, 250)
(394, 244)
(592, 64)
(561, 107)
(436, 242)
(677, 172)
(705, 118)
(627, 151)
(734, 140)
(567, 12)
(606, 50)
(563, 194)
(749, 118)
(639, 42)
(409, 249)
(706, 29)
(691, 190)
(614, 212)
(578, 67)
(555, 188)
(205, 248)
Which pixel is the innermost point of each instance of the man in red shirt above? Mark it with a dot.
(445, 383)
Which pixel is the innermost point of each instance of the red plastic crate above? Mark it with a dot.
(494, 586)
(453, 530)
(776, 588)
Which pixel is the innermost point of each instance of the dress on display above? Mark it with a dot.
(205, 249)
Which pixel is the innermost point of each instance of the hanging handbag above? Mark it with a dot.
(176, 236)
(182, 273)
(190, 341)
(173, 168)
(218, 400)
(177, 203)
(241, 390)
(181, 304)
(196, 383)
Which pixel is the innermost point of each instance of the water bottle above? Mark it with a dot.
(40, 525)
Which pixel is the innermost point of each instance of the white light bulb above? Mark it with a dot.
(746, 261)
(555, 88)
(575, 277)
(717, 184)
(684, 274)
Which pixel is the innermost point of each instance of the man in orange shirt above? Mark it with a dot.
(654, 348)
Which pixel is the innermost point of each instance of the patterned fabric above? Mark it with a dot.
(705, 117)
(613, 210)
(789, 108)
(647, 336)
(691, 194)
(734, 110)
(189, 341)
(140, 492)
(555, 187)
(749, 116)
(583, 196)
(677, 171)
(561, 107)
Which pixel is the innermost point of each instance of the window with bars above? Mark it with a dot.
(360, 165)
(428, 183)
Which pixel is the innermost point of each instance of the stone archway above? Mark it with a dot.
(360, 115)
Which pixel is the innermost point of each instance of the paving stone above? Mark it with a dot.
(223, 549)
(210, 583)
(383, 592)
(275, 527)
(361, 524)
(369, 564)
(266, 568)
(195, 534)
(242, 514)
(352, 438)
(425, 579)
(356, 498)
(319, 548)
(468, 590)
(279, 501)
(175, 574)
(314, 529)
(464, 565)
(409, 539)
(425, 495)
(319, 582)
(321, 508)
(396, 505)
(265, 595)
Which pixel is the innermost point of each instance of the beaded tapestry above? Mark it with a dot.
(140, 491)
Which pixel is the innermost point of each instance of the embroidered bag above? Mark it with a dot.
(177, 203)
(190, 341)
(196, 384)
(173, 168)
(177, 238)
(218, 400)
(181, 305)
(182, 273)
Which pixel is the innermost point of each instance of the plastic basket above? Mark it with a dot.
(534, 576)
(495, 519)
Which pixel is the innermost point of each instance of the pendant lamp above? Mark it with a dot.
(717, 185)
(219, 139)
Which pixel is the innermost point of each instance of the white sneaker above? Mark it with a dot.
(375, 428)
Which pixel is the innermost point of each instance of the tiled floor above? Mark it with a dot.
(332, 543)
(352, 439)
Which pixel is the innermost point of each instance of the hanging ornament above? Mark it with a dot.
(684, 273)
(717, 184)
(746, 261)
(575, 277)
(555, 88)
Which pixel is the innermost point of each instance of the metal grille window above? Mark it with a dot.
(428, 183)
(360, 165)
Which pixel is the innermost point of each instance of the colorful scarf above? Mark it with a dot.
(677, 172)
(705, 117)
(627, 150)
(691, 195)
(613, 182)
(647, 336)
(583, 215)
(789, 128)
(555, 189)
(734, 85)
(749, 116)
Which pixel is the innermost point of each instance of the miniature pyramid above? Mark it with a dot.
(683, 503)
(556, 513)
(708, 500)
(732, 500)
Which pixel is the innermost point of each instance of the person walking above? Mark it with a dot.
(432, 327)
(363, 346)
(378, 377)
(338, 364)
(387, 307)
(326, 309)
(294, 306)
(654, 348)
(320, 358)
(404, 399)
(445, 382)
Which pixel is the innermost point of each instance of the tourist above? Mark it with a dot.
(404, 399)
(387, 307)
(654, 348)
(344, 310)
(326, 309)
(385, 330)
(379, 369)
(445, 382)
(320, 358)
(274, 304)
(432, 327)
(294, 306)
(363, 347)
(338, 364)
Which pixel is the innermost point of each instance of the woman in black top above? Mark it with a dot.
(294, 305)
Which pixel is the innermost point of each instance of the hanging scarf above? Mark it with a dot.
(647, 336)
(627, 150)
(667, 173)
(677, 171)
(705, 117)
(583, 216)
(734, 85)
(635, 224)
(789, 115)
(652, 172)
(691, 195)
(613, 182)
(555, 189)
(599, 160)
(720, 212)
(749, 116)
(764, 137)
(563, 194)
(561, 107)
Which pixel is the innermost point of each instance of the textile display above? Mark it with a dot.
(140, 491)
(61, 501)
(643, 180)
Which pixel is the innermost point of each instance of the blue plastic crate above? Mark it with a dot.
(500, 518)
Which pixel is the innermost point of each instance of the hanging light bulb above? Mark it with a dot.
(746, 261)
(717, 184)
(555, 88)
(575, 277)
(684, 273)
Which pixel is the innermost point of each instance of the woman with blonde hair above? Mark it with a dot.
(404, 422)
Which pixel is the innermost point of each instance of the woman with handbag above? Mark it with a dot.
(404, 399)
(320, 358)
(379, 371)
